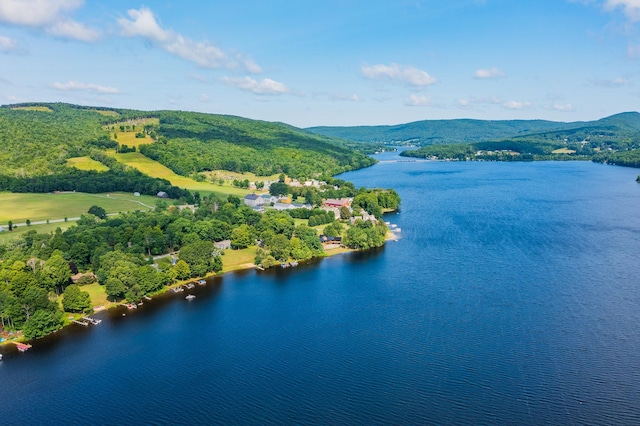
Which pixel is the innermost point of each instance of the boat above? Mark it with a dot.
(202, 282)
(190, 286)
(190, 296)
(23, 347)
(147, 298)
(0, 357)
(132, 306)
(178, 289)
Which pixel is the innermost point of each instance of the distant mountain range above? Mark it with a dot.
(616, 128)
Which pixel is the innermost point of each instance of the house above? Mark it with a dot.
(222, 245)
(363, 217)
(83, 278)
(136, 194)
(191, 207)
(162, 194)
(252, 200)
(334, 210)
(342, 202)
(268, 199)
(330, 240)
(283, 206)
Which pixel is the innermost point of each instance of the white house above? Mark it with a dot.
(252, 200)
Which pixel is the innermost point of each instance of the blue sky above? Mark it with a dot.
(330, 62)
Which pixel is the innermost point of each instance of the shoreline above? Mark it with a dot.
(70, 318)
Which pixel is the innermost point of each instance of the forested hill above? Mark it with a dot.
(189, 142)
(36, 140)
(432, 132)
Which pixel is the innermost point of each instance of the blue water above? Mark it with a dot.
(512, 297)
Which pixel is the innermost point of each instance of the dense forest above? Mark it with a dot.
(617, 128)
(612, 140)
(37, 139)
(194, 142)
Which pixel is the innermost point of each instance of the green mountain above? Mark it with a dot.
(432, 132)
(36, 140)
(613, 140)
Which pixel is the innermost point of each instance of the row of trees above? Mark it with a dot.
(91, 181)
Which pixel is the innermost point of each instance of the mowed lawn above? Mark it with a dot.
(35, 207)
(155, 169)
(238, 259)
(45, 228)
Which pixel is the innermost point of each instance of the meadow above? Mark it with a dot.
(155, 169)
(19, 207)
(86, 163)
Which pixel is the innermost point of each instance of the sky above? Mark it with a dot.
(330, 62)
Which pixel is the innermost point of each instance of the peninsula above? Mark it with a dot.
(201, 189)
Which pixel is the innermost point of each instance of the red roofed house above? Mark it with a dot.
(332, 202)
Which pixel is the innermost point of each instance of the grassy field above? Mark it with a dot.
(233, 260)
(563, 151)
(155, 169)
(98, 294)
(86, 163)
(106, 113)
(7, 236)
(129, 139)
(20, 207)
(34, 108)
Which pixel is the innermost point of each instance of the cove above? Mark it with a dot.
(511, 298)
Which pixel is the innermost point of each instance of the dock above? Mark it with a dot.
(82, 323)
(93, 321)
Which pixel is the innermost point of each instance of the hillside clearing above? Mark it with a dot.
(155, 169)
(86, 163)
(34, 108)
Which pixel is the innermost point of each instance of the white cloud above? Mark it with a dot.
(418, 100)
(8, 45)
(88, 87)
(489, 73)
(47, 15)
(198, 77)
(264, 87)
(631, 8)
(563, 107)
(204, 54)
(401, 73)
(344, 98)
(516, 104)
(616, 82)
(204, 98)
(633, 52)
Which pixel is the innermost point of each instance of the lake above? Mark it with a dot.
(512, 297)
